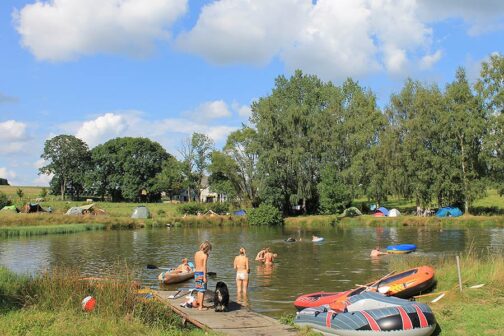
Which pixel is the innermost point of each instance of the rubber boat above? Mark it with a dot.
(318, 239)
(401, 249)
(404, 285)
(371, 314)
(170, 277)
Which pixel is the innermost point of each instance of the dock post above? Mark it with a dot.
(458, 271)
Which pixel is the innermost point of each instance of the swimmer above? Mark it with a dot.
(376, 252)
(241, 265)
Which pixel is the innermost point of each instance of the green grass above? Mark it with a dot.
(474, 311)
(50, 305)
(48, 229)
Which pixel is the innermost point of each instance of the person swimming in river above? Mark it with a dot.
(241, 265)
(269, 257)
(376, 252)
(260, 255)
(200, 274)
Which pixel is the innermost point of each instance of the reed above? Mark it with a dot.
(51, 304)
(48, 229)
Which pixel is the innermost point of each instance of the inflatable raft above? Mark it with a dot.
(404, 285)
(371, 314)
(401, 248)
(170, 277)
(318, 239)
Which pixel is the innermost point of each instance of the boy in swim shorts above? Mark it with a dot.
(200, 272)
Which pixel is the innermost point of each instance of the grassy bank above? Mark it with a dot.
(48, 229)
(470, 312)
(50, 305)
(368, 220)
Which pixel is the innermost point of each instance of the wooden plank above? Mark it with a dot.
(238, 321)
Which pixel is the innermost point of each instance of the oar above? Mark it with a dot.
(377, 281)
(150, 266)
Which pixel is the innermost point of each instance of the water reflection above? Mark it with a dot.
(341, 261)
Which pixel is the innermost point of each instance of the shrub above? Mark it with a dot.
(43, 193)
(265, 214)
(191, 208)
(20, 193)
(4, 200)
(161, 213)
(218, 208)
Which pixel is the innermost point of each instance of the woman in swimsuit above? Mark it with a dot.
(241, 265)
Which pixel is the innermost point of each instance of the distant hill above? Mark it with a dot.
(4, 181)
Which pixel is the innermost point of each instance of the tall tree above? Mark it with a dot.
(203, 146)
(490, 88)
(68, 159)
(171, 178)
(464, 128)
(124, 167)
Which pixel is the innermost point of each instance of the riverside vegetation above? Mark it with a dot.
(50, 304)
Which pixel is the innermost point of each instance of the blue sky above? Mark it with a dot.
(163, 69)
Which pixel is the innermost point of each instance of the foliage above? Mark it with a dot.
(218, 208)
(19, 193)
(68, 157)
(191, 208)
(43, 193)
(4, 200)
(335, 195)
(265, 214)
(124, 168)
(171, 177)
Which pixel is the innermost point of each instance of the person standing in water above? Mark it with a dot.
(200, 273)
(241, 265)
(269, 257)
(376, 253)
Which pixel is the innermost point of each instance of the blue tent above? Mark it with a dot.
(449, 212)
(383, 211)
(239, 213)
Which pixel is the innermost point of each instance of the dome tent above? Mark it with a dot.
(394, 213)
(449, 212)
(141, 212)
(10, 208)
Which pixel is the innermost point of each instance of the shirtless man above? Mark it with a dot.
(269, 257)
(241, 265)
(200, 273)
(376, 253)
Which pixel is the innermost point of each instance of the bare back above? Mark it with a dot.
(200, 261)
(268, 258)
(241, 263)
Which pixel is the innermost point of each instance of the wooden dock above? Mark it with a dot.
(238, 321)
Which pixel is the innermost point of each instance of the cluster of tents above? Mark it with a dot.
(27, 208)
(442, 212)
(384, 212)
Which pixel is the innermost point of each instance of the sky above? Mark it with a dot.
(163, 69)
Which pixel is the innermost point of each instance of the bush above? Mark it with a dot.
(265, 214)
(161, 213)
(191, 208)
(4, 200)
(218, 208)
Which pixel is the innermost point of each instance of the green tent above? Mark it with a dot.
(352, 212)
(10, 208)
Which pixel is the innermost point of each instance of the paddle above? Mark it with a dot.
(150, 266)
(377, 281)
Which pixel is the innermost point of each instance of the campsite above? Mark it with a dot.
(251, 168)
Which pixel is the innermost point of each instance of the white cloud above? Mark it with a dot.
(333, 39)
(211, 110)
(7, 174)
(59, 30)
(244, 111)
(102, 128)
(43, 180)
(429, 60)
(250, 31)
(39, 163)
(12, 130)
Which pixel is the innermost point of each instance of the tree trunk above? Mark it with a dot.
(464, 176)
(63, 189)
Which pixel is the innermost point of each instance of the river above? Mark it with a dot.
(338, 263)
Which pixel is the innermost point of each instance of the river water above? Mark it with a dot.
(336, 264)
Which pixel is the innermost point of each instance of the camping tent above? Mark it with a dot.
(449, 212)
(352, 212)
(141, 212)
(240, 212)
(383, 211)
(32, 207)
(394, 213)
(81, 210)
(10, 208)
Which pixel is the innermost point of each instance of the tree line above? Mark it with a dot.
(313, 147)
